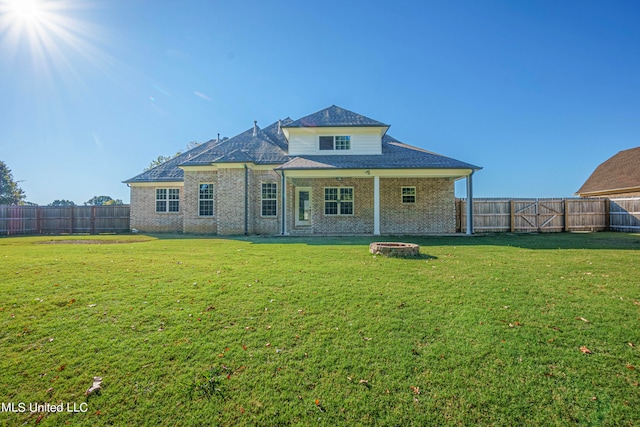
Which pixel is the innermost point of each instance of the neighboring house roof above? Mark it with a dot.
(395, 155)
(619, 174)
(334, 116)
(268, 146)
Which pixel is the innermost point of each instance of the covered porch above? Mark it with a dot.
(371, 201)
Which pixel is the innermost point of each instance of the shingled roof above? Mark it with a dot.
(268, 146)
(395, 155)
(619, 174)
(334, 116)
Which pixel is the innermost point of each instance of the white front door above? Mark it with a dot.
(303, 206)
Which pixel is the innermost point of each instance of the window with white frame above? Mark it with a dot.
(205, 199)
(167, 200)
(269, 199)
(338, 201)
(330, 143)
(408, 195)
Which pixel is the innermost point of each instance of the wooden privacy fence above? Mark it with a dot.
(624, 214)
(534, 215)
(62, 220)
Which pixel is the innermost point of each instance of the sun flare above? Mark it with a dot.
(48, 40)
(25, 9)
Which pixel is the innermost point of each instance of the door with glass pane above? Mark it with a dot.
(303, 206)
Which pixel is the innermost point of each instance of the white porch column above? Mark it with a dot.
(283, 191)
(376, 205)
(470, 203)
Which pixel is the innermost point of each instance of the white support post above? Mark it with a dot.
(376, 205)
(283, 191)
(470, 204)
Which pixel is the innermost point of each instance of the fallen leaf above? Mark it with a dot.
(61, 368)
(583, 319)
(631, 344)
(244, 347)
(365, 382)
(585, 350)
(96, 386)
(268, 344)
(92, 305)
(631, 367)
(416, 390)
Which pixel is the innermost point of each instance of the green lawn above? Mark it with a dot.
(488, 330)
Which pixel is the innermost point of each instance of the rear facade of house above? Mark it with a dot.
(334, 172)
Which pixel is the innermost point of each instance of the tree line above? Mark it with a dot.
(12, 194)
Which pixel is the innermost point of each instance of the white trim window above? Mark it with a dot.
(205, 199)
(338, 201)
(408, 195)
(167, 200)
(269, 203)
(337, 143)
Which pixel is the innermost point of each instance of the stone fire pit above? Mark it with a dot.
(394, 249)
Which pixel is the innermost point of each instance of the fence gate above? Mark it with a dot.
(538, 215)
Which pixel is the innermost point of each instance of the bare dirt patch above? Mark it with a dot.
(88, 242)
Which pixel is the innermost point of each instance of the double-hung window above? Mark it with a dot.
(205, 200)
(338, 201)
(167, 200)
(269, 199)
(330, 143)
(408, 195)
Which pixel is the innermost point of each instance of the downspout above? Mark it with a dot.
(246, 200)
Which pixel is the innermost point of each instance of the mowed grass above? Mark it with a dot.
(487, 330)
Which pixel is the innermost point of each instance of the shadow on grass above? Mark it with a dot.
(597, 240)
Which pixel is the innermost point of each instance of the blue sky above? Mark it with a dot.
(538, 93)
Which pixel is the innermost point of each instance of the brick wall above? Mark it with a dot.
(193, 222)
(143, 211)
(433, 212)
(257, 223)
(230, 193)
(361, 222)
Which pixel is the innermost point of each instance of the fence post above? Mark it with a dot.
(607, 214)
(512, 216)
(93, 220)
(71, 219)
(565, 206)
(38, 220)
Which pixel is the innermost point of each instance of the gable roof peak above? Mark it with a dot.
(335, 116)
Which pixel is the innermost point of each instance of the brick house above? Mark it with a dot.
(332, 172)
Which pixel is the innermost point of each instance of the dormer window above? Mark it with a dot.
(335, 143)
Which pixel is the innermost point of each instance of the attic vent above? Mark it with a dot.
(255, 127)
(218, 140)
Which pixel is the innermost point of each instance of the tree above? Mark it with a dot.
(103, 201)
(10, 192)
(160, 160)
(62, 203)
